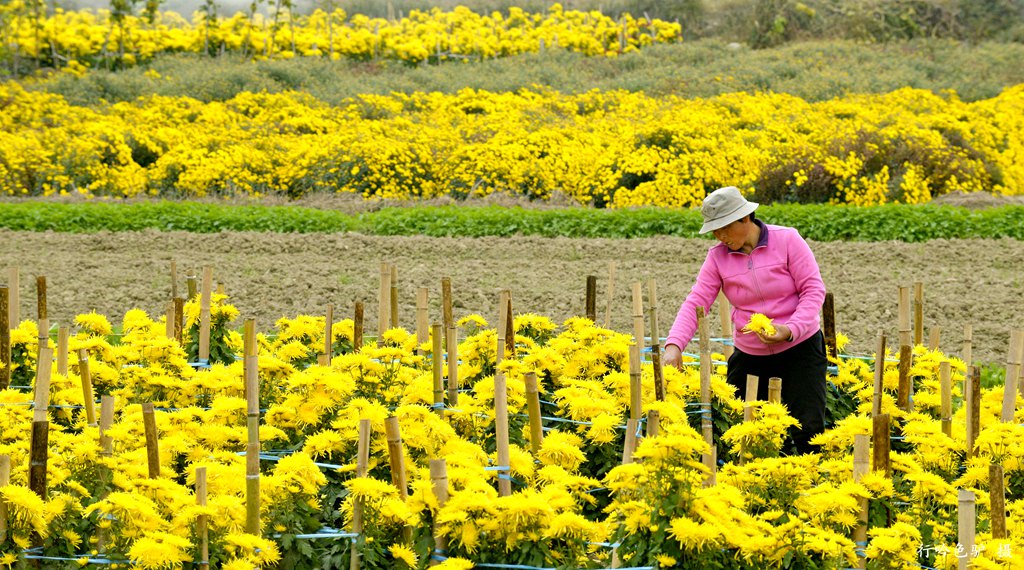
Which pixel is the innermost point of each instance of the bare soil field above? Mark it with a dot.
(269, 276)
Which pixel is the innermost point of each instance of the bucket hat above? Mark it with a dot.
(723, 207)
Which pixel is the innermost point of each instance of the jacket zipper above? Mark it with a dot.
(757, 284)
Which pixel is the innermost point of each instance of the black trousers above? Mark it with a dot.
(802, 368)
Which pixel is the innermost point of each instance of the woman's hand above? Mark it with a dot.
(672, 357)
(782, 334)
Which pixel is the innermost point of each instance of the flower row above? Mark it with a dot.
(79, 39)
(612, 149)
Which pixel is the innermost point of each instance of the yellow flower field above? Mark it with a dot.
(613, 149)
(575, 503)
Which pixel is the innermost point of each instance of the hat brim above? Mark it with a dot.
(722, 221)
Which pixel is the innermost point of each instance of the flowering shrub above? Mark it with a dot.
(570, 500)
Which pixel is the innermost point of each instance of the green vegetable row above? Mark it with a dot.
(816, 222)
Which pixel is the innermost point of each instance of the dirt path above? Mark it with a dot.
(269, 276)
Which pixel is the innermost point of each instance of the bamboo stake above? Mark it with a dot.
(635, 404)
(973, 403)
(362, 466)
(828, 311)
(14, 308)
(966, 527)
(437, 360)
(510, 328)
(106, 420)
(191, 286)
(169, 323)
(202, 528)
(934, 334)
(439, 483)
(906, 351)
(328, 336)
(502, 325)
(220, 288)
(204, 315)
(710, 461)
(252, 448)
(1013, 365)
(653, 423)
(725, 318)
(659, 377)
(632, 425)
(750, 396)
(533, 409)
(248, 344)
(876, 401)
(705, 374)
(1016, 356)
(179, 318)
(968, 342)
(1020, 359)
(63, 333)
(357, 327)
(422, 318)
(42, 318)
(174, 279)
(87, 397)
(5, 479)
(152, 445)
(638, 316)
(775, 390)
(393, 311)
(447, 320)
(881, 444)
(5, 339)
(946, 395)
(383, 302)
(918, 313)
(861, 467)
(997, 500)
(38, 450)
(396, 455)
(590, 300)
(611, 294)
(501, 434)
(452, 341)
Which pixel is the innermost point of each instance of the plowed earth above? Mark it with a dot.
(269, 276)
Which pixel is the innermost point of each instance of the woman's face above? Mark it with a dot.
(734, 234)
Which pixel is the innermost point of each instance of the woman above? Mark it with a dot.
(770, 270)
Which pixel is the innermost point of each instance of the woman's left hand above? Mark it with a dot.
(782, 334)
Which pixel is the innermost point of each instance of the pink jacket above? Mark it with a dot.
(778, 278)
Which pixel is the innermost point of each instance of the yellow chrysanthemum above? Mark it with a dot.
(759, 323)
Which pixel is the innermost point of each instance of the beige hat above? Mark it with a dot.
(724, 206)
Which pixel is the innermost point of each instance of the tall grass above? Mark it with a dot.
(814, 71)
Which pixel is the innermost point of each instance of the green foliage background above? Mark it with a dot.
(817, 222)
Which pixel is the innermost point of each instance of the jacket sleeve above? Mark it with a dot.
(702, 294)
(809, 286)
